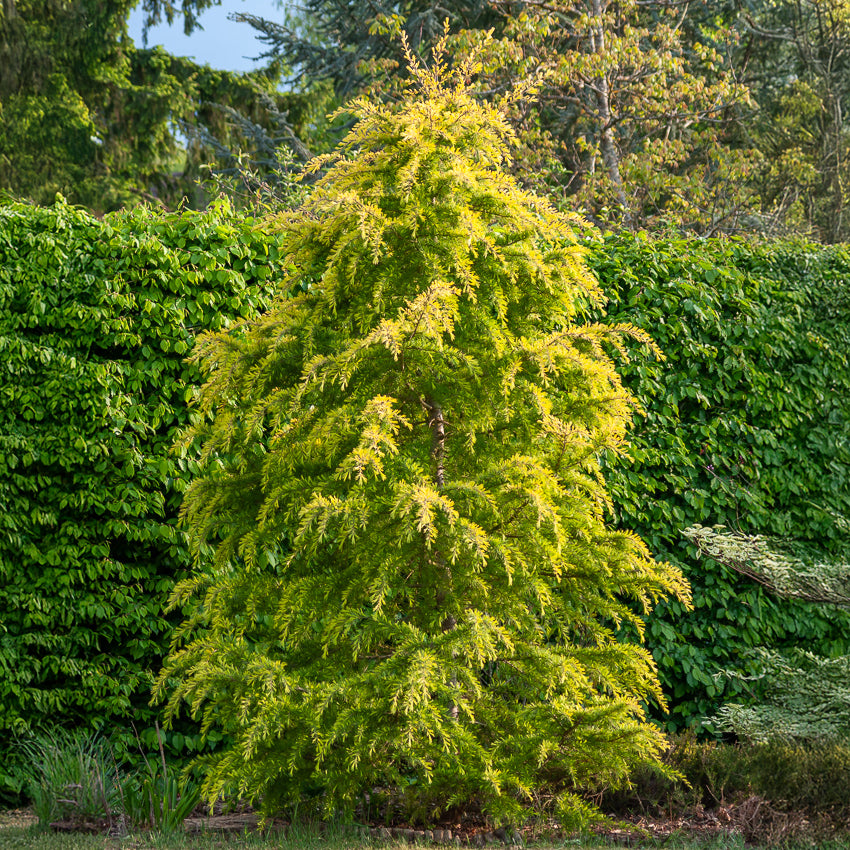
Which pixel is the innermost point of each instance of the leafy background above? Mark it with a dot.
(95, 320)
(745, 424)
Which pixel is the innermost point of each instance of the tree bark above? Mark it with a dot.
(437, 425)
(836, 167)
(602, 93)
(9, 10)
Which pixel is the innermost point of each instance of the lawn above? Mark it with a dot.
(18, 831)
(24, 838)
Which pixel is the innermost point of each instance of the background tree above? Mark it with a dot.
(84, 113)
(410, 584)
(803, 696)
(633, 120)
(356, 45)
(796, 58)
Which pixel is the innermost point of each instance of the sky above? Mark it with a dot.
(223, 44)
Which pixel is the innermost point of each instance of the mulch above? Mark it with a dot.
(755, 819)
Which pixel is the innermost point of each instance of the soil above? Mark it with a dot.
(753, 818)
(16, 818)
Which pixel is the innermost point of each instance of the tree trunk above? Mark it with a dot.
(602, 93)
(437, 424)
(9, 10)
(836, 167)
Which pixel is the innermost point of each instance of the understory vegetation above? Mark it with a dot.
(770, 794)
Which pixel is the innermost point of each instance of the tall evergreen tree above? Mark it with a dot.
(406, 580)
(85, 113)
(353, 44)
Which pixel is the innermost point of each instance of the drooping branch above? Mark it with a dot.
(774, 565)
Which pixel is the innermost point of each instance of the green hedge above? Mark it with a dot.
(95, 320)
(747, 424)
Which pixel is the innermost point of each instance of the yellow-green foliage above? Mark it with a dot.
(405, 580)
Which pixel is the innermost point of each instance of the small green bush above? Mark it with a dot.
(72, 777)
(96, 318)
(812, 780)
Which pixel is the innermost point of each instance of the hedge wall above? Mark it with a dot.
(747, 424)
(95, 320)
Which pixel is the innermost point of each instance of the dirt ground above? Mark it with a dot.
(16, 818)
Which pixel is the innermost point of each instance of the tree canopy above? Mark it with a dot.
(705, 117)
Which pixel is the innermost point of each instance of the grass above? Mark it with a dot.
(19, 831)
(74, 776)
(30, 839)
(22, 837)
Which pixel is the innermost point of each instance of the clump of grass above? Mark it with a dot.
(155, 798)
(72, 776)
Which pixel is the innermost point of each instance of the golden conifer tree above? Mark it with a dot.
(405, 577)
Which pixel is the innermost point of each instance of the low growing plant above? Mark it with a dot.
(811, 779)
(158, 799)
(72, 777)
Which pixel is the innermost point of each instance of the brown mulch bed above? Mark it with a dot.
(754, 818)
(16, 818)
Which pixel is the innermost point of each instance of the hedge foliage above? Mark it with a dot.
(96, 318)
(746, 425)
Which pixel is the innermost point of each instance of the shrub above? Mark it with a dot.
(72, 777)
(747, 424)
(96, 318)
(812, 779)
(804, 697)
